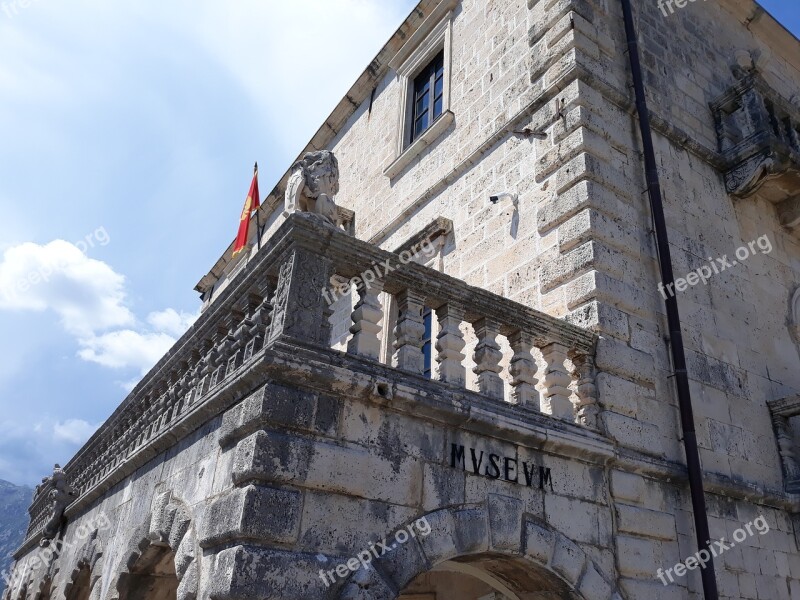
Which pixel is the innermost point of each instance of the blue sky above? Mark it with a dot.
(129, 133)
(127, 138)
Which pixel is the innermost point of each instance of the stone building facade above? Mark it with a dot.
(493, 417)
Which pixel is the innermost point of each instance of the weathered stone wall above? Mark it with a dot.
(293, 479)
(602, 273)
(581, 245)
(345, 467)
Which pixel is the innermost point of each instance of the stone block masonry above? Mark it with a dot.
(544, 446)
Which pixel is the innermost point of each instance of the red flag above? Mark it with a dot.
(251, 204)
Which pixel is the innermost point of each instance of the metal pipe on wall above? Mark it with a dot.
(673, 316)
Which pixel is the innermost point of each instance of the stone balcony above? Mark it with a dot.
(759, 136)
(273, 322)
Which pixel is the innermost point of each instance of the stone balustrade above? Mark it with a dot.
(277, 301)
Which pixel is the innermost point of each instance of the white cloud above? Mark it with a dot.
(89, 297)
(126, 349)
(85, 293)
(171, 321)
(74, 431)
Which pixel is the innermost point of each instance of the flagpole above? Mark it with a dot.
(258, 212)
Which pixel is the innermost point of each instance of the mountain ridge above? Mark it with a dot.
(14, 502)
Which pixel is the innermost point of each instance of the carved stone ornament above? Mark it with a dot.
(758, 135)
(60, 497)
(782, 411)
(313, 184)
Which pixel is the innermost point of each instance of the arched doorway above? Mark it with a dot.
(487, 551)
(485, 578)
(159, 561)
(152, 577)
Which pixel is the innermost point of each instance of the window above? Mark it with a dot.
(423, 66)
(428, 96)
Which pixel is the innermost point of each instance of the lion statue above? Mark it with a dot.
(313, 184)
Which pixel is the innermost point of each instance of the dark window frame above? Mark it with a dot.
(428, 82)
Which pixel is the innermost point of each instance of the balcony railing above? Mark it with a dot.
(278, 298)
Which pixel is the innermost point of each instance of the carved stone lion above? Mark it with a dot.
(313, 184)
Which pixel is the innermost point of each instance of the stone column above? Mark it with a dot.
(409, 332)
(366, 318)
(556, 393)
(450, 343)
(299, 308)
(523, 371)
(585, 389)
(487, 358)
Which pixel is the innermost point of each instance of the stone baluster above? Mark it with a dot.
(366, 318)
(247, 332)
(233, 343)
(409, 332)
(122, 447)
(450, 343)
(101, 462)
(300, 311)
(173, 404)
(197, 381)
(487, 358)
(143, 425)
(522, 369)
(173, 398)
(585, 388)
(215, 357)
(260, 320)
(184, 387)
(152, 414)
(129, 436)
(118, 448)
(135, 424)
(159, 415)
(92, 469)
(138, 427)
(556, 394)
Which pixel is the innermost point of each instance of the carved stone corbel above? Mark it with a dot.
(758, 135)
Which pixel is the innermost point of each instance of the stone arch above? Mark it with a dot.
(167, 533)
(497, 529)
(89, 564)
